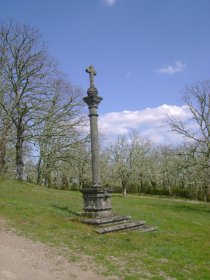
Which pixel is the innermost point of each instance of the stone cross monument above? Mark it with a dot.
(97, 199)
(93, 100)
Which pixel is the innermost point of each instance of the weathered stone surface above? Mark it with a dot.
(122, 226)
(97, 201)
(91, 71)
(110, 220)
(147, 228)
(115, 223)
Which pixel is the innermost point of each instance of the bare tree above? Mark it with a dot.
(197, 99)
(59, 135)
(126, 154)
(24, 68)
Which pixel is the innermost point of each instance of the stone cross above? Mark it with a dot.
(91, 71)
(97, 199)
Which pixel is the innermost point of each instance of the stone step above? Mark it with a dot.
(115, 223)
(104, 221)
(147, 228)
(123, 226)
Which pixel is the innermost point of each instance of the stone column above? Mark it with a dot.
(97, 199)
(93, 100)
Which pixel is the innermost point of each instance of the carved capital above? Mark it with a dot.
(92, 100)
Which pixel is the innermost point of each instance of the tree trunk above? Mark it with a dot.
(39, 171)
(81, 181)
(48, 179)
(2, 154)
(206, 192)
(141, 184)
(3, 145)
(206, 183)
(124, 188)
(19, 155)
(153, 183)
(64, 182)
(170, 190)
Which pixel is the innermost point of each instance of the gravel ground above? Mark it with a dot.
(23, 259)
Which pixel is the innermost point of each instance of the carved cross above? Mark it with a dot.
(91, 71)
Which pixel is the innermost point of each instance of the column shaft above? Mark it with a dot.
(94, 146)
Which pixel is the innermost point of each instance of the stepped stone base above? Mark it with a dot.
(98, 212)
(138, 226)
(108, 220)
(117, 223)
(121, 226)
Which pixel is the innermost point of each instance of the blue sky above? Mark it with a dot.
(144, 51)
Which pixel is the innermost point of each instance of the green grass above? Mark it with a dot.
(179, 249)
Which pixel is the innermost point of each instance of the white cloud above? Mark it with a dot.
(171, 70)
(108, 2)
(150, 122)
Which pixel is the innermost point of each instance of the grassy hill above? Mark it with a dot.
(179, 249)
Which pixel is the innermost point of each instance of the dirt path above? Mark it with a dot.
(23, 259)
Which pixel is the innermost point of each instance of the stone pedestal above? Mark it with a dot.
(97, 202)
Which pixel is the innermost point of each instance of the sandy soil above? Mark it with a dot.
(23, 259)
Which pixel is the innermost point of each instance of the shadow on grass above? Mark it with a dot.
(66, 209)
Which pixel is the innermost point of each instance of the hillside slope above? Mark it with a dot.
(178, 250)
